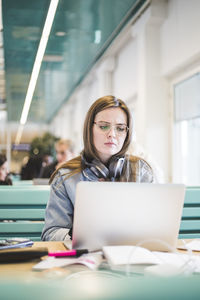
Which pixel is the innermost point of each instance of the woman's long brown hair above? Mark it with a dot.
(89, 152)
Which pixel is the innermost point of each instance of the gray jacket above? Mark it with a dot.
(60, 208)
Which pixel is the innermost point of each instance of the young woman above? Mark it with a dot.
(107, 135)
(4, 179)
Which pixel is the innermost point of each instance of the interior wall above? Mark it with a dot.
(180, 38)
(138, 68)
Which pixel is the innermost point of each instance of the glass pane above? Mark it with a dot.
(187, 98)
(186, 158)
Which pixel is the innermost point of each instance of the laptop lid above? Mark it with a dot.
(127, 213)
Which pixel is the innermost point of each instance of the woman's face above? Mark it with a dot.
(109, 132)
(3, 171)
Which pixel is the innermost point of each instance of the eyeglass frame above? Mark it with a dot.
(111, 125)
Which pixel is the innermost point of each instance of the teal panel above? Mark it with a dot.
(25, 208)
(189, 235)
(24, 197)
(81, 32)
(23, 183)
(25, 187)
(191, 212)
(21, 227)
(190, 223)
(22, 214)
(28, 235)
(192, 196)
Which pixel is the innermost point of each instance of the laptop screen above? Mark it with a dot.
(127, 213)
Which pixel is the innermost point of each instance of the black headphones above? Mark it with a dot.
(96, 169)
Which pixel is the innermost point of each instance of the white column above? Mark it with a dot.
(152, 107)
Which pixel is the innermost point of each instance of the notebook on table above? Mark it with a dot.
(127, 213)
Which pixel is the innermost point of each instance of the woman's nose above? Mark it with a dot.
(112, 131)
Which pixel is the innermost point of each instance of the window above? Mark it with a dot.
(186, 162)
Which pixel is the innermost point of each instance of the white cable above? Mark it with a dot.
(105, 274)
(190, 265)
(128, 167)
(186, 268)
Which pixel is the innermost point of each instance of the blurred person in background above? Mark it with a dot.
(32, 168)
(4, 178)
(64, 152)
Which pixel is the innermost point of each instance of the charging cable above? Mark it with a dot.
(188, 266)
(92, 274)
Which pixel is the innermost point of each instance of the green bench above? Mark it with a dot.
(22, 211)
(25, 207)
(22, 182)
(190, 223)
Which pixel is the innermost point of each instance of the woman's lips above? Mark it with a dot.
(110, 144)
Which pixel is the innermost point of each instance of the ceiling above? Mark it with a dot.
(81, 32)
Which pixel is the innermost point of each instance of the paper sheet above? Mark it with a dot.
(119, 255)
(193, 245)
(90, 261)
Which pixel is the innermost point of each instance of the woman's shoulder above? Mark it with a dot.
(136, 159)
(142, 169)
(63, 184)
(68, 169)
(72, 164)
(65, 175)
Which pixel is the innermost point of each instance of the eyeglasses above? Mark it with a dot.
(120, 129)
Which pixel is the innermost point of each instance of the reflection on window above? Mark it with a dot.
(186, 158)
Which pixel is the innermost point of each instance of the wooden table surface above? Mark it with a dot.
(25, 268)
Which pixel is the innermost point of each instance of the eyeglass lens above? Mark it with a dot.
(105, 127)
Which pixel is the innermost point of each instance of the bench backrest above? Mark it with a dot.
(190, 223)
(22, 182)
(22, 211)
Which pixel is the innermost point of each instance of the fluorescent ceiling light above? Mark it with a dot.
(19, 134)
(38, 60)
(60, 33)
(53, 58)
(36, 67)
(97, 38)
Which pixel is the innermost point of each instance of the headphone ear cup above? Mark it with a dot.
(95, 169)
(99, 169)
(116, 166)
(90, 175)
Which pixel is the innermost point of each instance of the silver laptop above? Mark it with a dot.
(127, 213)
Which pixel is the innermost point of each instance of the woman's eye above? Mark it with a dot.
(120, 128)
(104, 127)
